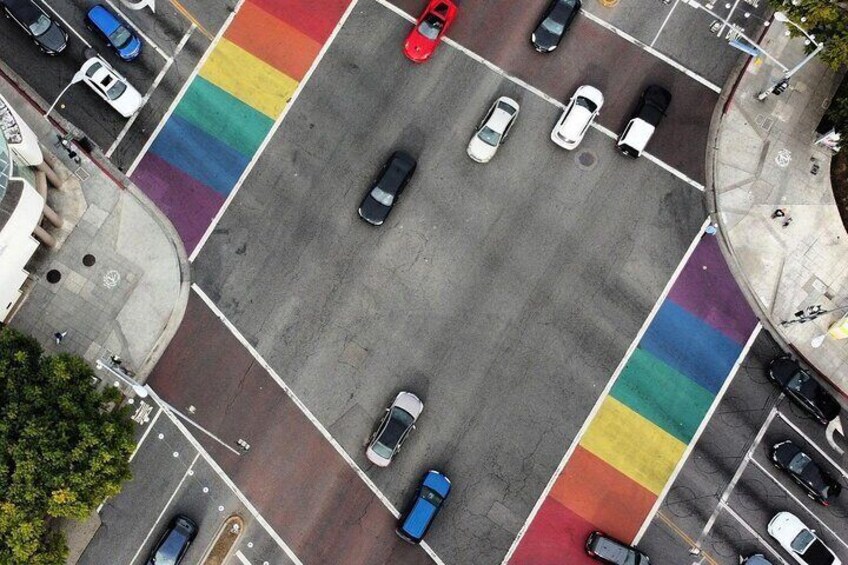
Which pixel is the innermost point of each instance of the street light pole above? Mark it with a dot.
(119, 373)
(810, 313)
(788, 73)
(78, 76)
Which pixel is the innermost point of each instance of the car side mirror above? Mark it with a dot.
(413, 427)
(387, 409)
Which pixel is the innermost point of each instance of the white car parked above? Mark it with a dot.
(396, 424)
(799, 541)
(493, 130)
(581, 111)
(110, 86)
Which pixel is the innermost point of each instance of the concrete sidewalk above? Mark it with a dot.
(124, 273)
(763, 158)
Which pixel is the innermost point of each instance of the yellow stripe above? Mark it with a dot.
(633, 445)
(249, 79)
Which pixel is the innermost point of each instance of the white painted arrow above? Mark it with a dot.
(834, 425)
(140, 4)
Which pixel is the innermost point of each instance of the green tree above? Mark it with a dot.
(826, 20)
(63, 447)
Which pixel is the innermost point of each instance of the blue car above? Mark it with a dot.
(114, 32)
(429, 497)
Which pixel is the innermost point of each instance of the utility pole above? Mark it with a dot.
(782, 84)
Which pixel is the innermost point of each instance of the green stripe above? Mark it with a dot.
(224, 116)
(664, 396)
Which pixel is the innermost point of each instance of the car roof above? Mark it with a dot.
(639, 134)
(397, 169)
(500, 118)
(103, 18)
(438, 482)
(419, 518)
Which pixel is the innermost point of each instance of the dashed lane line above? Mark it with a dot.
(546, 97)
(226, 479)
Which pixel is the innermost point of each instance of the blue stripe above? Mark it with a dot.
(690, 345)
(199, 155)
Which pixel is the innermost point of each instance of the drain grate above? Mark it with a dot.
(53, 276)
(586, 160)
(89, 260)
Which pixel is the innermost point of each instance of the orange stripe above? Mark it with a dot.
(272, 40)
(601, 495)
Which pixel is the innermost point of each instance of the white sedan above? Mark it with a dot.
(493, 130)
(799, 541)
(396, 424)
(581, 111)
(110, 86)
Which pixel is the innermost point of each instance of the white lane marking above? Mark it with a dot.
(242, 558)
(227, 481)
(664, 58)
(67, 25)
(810, 441)
(306, 412)
(199, 427)
(604, 393)
(138, 30)
(665, 21)
(146, 432)
(728, 490)
(149, 93)
(729, 15)
(277, 123)
(688, 451)
(540, 94)
(155, 526)
(754, 533)
(798, 501)
(182, 91)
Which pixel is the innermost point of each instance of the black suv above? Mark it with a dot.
(803, 389)
(173, 544)
(386, 190)
(47, 34)
(653, 105)
(553, 25)
(818, 483)
(610, 550)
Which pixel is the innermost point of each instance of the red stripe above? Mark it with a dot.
(315, 18)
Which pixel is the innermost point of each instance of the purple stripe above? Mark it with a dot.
(706, 288)
(189, 204)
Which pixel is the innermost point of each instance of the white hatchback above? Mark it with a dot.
(493, 130)
(581, 111)
(110, 86)
(799, 541)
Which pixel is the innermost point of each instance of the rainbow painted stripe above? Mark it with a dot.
(230, 107)
(640, 433)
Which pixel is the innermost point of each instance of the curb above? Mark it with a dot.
(225, 529)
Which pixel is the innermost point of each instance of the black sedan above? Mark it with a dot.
(174, 543)
(803, 389)
(47, 34)
(386, 190)
(818, 483)
(610, 550)
(553, 25)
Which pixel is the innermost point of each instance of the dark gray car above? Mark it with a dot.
(174, 543)
(386, 190)
(47, 34)
(610, 550)
(553, 25)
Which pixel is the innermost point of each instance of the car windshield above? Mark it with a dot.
(93, 69)
(818, 554)
(553, 26)
(506, 108)
(40, 26)
(489, 136)
(585, 103)
(118, 87)
(170, 550)
(431, 496)
(399, 422)
(798, 463)
(120, 37)
(382, 196)
(802, 540)
(430, 27)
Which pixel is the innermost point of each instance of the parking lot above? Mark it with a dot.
(729, 489)
(170, 477)
(173, 38)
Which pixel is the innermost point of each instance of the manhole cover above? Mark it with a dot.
(89, 260)
(53, 276)
(586, 159)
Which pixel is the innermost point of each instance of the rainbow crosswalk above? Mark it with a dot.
(230, 106)
(642, 428)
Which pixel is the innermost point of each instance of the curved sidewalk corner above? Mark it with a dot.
(132, 299)
(762, 157)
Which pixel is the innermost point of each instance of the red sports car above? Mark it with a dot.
(429, 29)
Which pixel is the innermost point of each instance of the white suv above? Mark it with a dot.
(799, 541)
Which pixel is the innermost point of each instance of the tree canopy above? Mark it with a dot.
(62, 451)
(826, 20)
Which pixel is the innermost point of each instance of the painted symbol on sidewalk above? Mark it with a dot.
(140, 5)
(834, 425)
(142, 413)
(783, 157)
(111, 278)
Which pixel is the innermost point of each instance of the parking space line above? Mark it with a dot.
(143, 437)
(727, 19)
(150, 91)
(67, 25)
(798, 501)
(754, 533)
(138, 31)
(242, 558)
(306, 412)
(227, 481)
(605, 392)
(665, 21)
(652, 51)
(187, 474)
(183, 89)
(810, 441)
(546, 97)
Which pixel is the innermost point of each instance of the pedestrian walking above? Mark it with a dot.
(59, 336)
(786, 222)
(779, 213)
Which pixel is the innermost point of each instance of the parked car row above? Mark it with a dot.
(52, 39)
